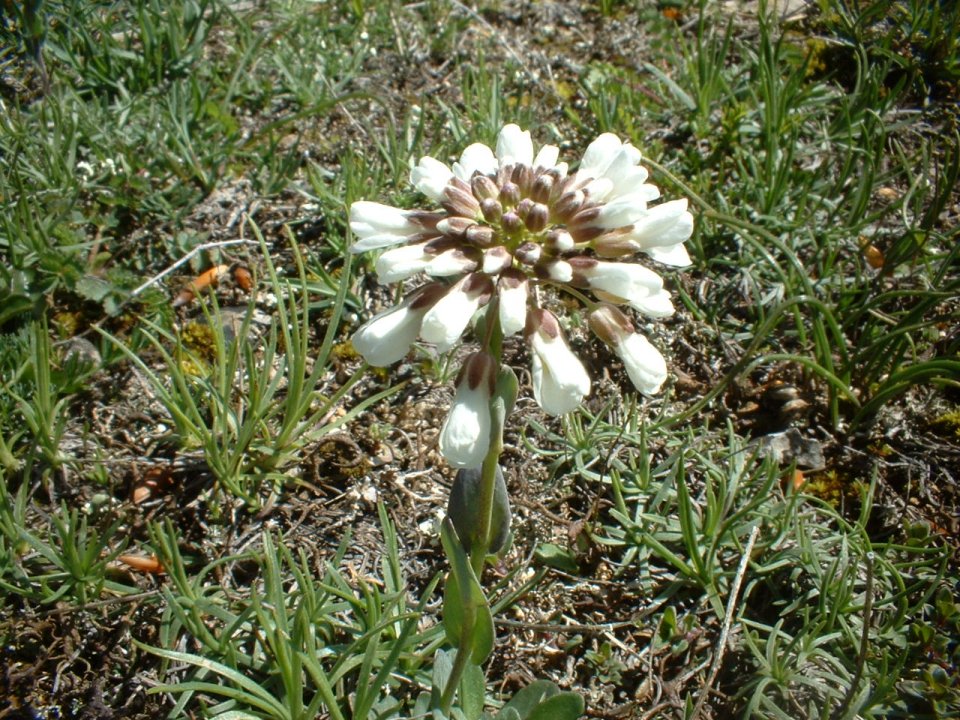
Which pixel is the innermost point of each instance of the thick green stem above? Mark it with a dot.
(480, 542)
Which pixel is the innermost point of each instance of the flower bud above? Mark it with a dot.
(481, 236)
(523, 177)
(567, 206)
(509, 194)
(536, 219)
(511, 222)
(542, 186)
(484, 187)
(524, 207)
(455, 227)
(496, 259)
(559, 241)
(492, 209)
(458, 201)
(465, 436)
(528, 253)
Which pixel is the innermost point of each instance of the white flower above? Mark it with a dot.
(514, 146)
(386, 337)
(378, 226)
(512, 224)
(514, 292)
(560, 381)
(626, 209)
(430, 177)
(406, 261)
(639, 286)
(547, 157)
(445, 322)
(399, 263)
(644, 363)
(475, 158)
(662, 231)
(465, 437)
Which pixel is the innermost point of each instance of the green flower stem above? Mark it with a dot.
(460, 662)
(480, 543)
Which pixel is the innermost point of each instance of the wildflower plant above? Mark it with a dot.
(513, 225)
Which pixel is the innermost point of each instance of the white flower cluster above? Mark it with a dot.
(509, 221)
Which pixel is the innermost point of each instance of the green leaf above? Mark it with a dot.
(473, 691)
(556, 557)
(93, 288)
(465, 609)
(524, 702)
(564, 706)
(442, 667)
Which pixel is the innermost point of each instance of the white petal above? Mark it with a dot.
(655, 305)
(664, 224)
(513, 309)
(672, 255)
(514, 146)
(560, 381)
(445, 322)
(386, 337)
(560, 271)
(547, 157)
(644, 363)
(627, 280)
(379, 216)
(600, 153)
(430, 177)
(626, 209)
(450, 262)
(475, 158)
(598, 189)
(465, 437)
(400, 263)
(377, 226)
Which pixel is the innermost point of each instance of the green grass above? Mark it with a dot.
(145, 142)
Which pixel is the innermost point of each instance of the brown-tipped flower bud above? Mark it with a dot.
(540, 191)
(528, 253)
(615, 243)
(523, 177)
(504, 174)
(496, 260)
(610, 324)
(564, 186)
(465, 436)
(509, 194)
(484, 187)
(458, 201)
(537, 218)
(559, 242)
(585, 233)
(524, 207)
(511, 222)
(481, 236)
(554, 269)
(585, 216)
(582, 267)
(455, 227)
(567, 206)
(643, 362)
(492, 210)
